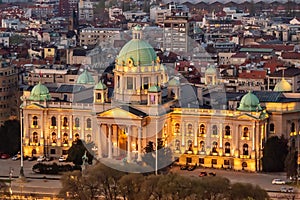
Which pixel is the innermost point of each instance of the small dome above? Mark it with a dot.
(85, 78)
(249, 102)
(211, 70)
(154, 88)
(39, 93)
(174, 82)
(100, 86)
(283, 86)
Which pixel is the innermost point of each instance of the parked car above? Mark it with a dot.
(212, 173)
(184, 167)
(5, 156)
(31, 158)
(192, 167)
(49, 158)
(278, 181)
(16, 157)
(283, 189)
(203, 174)
(291, 189)
(62, 159)
(41, 158)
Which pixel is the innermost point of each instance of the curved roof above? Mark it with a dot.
(39, 93)
(100, 86)
(283, 86)
(211, 70)
(174, 82)
(85, 78)
(154, 88)
(137, 52)
(249, 102)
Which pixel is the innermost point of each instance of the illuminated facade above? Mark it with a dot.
(146, 105)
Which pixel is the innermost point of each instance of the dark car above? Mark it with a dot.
(32, 158)
(212, 173)
(5, 156)
(192, 167)
(203, 174)
(184, 167)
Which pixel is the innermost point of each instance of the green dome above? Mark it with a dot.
(100, 86)
(85, 78)
(211, 70)
(174, 82)
(283, 86)
(140, 52)
(154, 88)
(39, 93)
(249, 102)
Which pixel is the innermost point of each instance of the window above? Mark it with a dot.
(76, 122)
(202, 146)
(188, 160)
(65, 138)
(202, 129)
(53, 121)
(227, 147)
(89, 123)
(245, 149)
(152, 99)
(272, 127)
(35, 137)
(190, 145)
(129, 83)
(214, 161)
(177, 128)
(215, 130)
(35, 121)
(246, 132)
(98, 96)
(177, 145)
(215, 146)
(201, 160)
(293, 127)
(190, 129)
(65, 121)
(52, 151)
(53, 137)
(226, 162)
(145, 83)
(227, 130)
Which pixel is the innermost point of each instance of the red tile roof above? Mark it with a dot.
(253, 74)
(290, 55)
(276, 47)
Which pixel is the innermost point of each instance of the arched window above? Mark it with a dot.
(53, 121)
(76, 122)
(227, 147)
(215, 146)
(246, 132)
(215, 130)
(272, 127)
(35, 137)
(293, 127)
(190, 145)
(245, 149)
(202, 146)
(177, 128)
(177, 145)
(35, 121)
(65, 121)
(88, 138)
(227, 130)
(53, 136)
(202, 129)
(89, 123)
(76, 137)
(65, 138)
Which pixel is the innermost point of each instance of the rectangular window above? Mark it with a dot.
(214, 161)
(129, 83)
(201, 160)
(226, 162)
(189, 160)
(52, 151)
(65, 152)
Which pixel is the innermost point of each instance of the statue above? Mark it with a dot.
(84, 161)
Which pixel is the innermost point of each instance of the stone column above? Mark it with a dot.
(195, 134)
(98, 139)
(128, 143)
(221, 135)
(139, 144)
(59, 127)
(109, 141)
(253, 135)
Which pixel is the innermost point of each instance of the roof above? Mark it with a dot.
(85, 78)
(154, 88)
(256, 50)
(288, 72)
(290, 55)
(133, 111)
(253, 74)
(283, 86)
(100, 86)
(70, 88)
(39, 93)
(249, 102)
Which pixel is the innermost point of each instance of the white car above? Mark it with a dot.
(41, 159)
(62, 159)
(278, 181)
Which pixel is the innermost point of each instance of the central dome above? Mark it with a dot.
(39, 93)
(283, 86)
(249, 102)
(137, 52)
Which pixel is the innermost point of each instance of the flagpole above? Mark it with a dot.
(156, 147)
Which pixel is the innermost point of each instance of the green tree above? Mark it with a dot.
(10, 137)
(245, 191)
(130, 186)
(274, 154)
(76, 152)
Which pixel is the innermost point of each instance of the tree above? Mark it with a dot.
(10, 137)
(130, 186)
(164, 155)
(274, 154)
(291, 162)
(244, 191)
(76, 152)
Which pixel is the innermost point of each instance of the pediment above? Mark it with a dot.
(246, 117)
(118, 113)
(34, 106)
